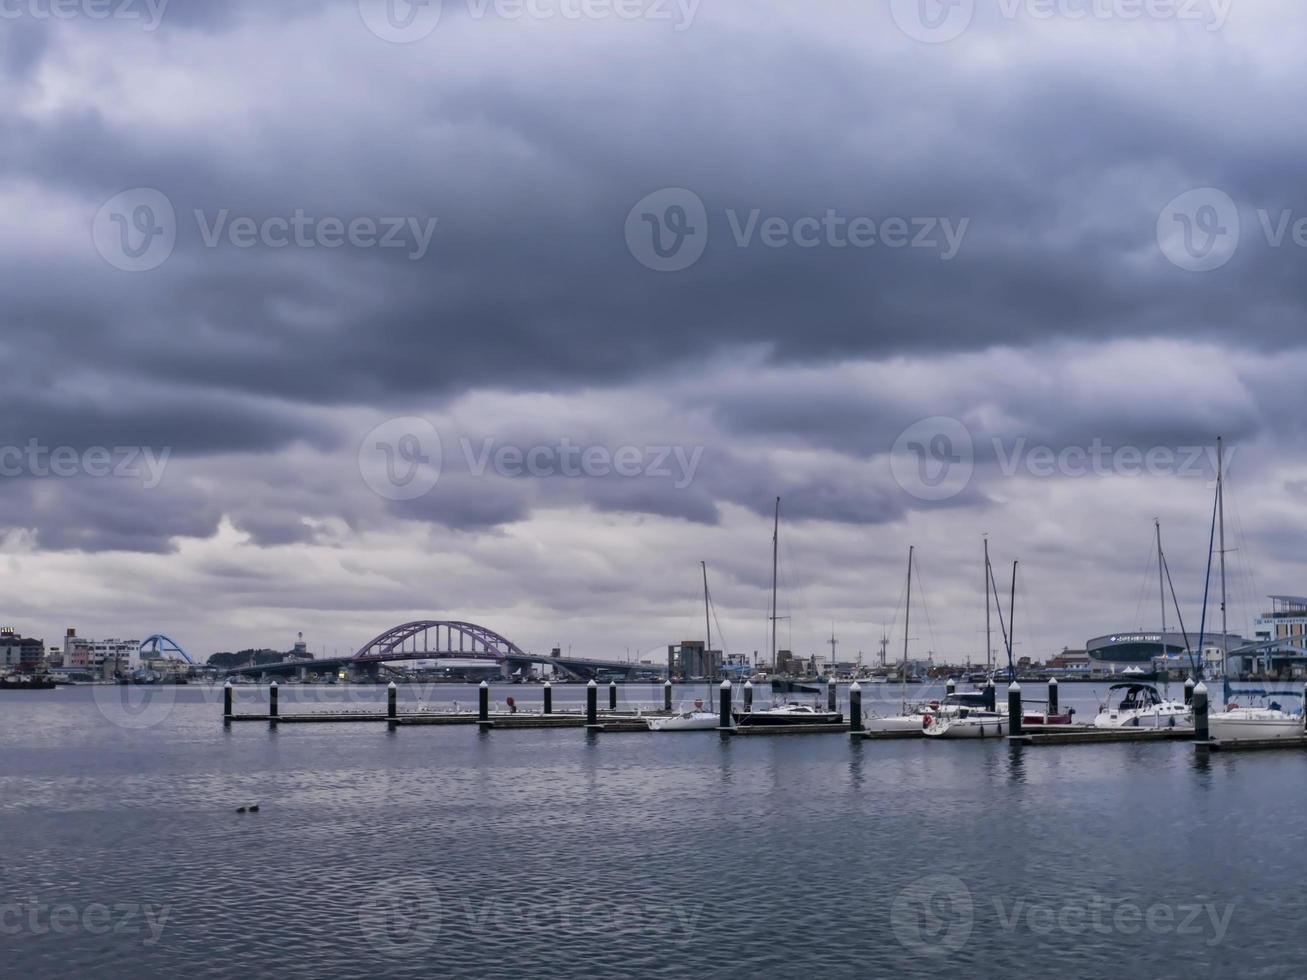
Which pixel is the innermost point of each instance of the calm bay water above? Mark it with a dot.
(444, 852)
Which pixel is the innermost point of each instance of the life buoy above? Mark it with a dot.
(926, 720)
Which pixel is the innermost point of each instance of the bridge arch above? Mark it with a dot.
(160, 647)
(451, 637)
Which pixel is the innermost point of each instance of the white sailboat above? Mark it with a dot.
(697, 719)
(1252, 722)
(909, 722)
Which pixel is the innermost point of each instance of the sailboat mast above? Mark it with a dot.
(1161, 588)
(907, 624)
(989, 639)
(1012, 624)
(707, 623)
(775, 553)
(1220, 503)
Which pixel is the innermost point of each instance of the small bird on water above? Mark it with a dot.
(252, 808)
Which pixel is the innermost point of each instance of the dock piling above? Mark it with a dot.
(1014, 709)
(1201, 733)
(392, 702)
(483, 702)
(855, 708)
(592, 703)
(748, 697)
(1052, 697)
(667, 696)
(724, 706)
(831, 693)
(991, 696)
(612, 695)
(950, 687)
(549, 698)
(273, 693)
(227, 691)
(1189, 691)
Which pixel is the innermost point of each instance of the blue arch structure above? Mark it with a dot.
(160, 647)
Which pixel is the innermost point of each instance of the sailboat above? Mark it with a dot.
(908, 723)
(1137, 705)
(698, 719)
(787, 713)
(979, 721)
(1267, 721)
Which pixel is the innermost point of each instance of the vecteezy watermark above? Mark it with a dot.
(403, 459)
(1202, 229)
(940, 21)
(35, 459)
(934, 459)
(32, 917)
(148, 12)
(667, 231)
(404, 917)
(137, 231)
(407, 21)
(134, 707)
(936, 916)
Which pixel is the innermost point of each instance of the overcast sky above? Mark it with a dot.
(326, 315)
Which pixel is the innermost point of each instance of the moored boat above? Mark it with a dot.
(789, 714)
(1140, 706)
(1237, 723)
(697, 720)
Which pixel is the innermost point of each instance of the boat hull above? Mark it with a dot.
(768, 718)
(994, 726)
(696, 722)
(1232, 726)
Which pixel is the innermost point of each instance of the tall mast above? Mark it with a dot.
(775, 552)
(989, 640)
(1161, 588)
(1220, 503)
(707, 626)
(907, 623)
(1012, 624)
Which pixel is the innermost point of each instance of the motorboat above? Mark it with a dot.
(26, 682)
(1140, 706)
(789, 714)
(1037, 717)
(1238, 722)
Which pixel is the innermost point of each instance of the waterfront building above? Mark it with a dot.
(1286, 619)
(105, 656)
(20, 653)
(690, 660)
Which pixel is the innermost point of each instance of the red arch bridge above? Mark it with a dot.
(436, 640)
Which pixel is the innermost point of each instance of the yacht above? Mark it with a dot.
(1140, 706)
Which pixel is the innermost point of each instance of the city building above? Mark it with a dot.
(689, 660)
(104, 656)
(20, 653)
(1140, 649)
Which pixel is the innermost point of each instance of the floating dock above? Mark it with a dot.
(1251, 744)
(1089, 735)
(829, 728)
(882, 736)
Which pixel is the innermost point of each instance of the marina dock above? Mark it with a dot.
(1088, 735)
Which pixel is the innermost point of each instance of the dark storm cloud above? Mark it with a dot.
(529, 150)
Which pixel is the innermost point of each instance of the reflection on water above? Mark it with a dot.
(446, 852)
